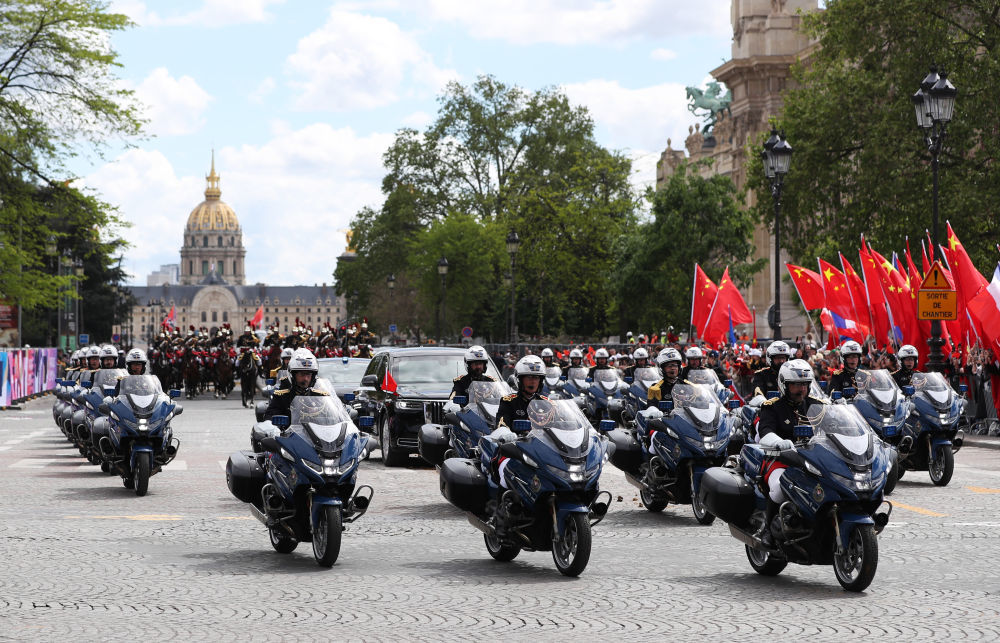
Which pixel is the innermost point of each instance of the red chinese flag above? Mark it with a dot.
(702, 298)
(838, 300)
(258, 317)
(389, 384)
(807, 283)
(897, 295)
(729, 305)
(859, 296)
(876, 298)
(968, 280)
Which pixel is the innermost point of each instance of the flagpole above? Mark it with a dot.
(694, 291)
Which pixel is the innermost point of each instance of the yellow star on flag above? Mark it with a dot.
(828, 274)
(953, 242)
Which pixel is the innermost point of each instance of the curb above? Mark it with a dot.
(982, 442)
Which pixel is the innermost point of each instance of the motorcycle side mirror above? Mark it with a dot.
(370, 381)
(563, 378)
(836, 396)
(629, 379)
(734, 404)
(727, 383)
(666, 405)
(174, 392)
(850, 391)
(460, 400)
(269, 381)
(802, 431)
(522, 426)
(348, 397)
(909, 390)
(178, 409)
(606, 425)
(772, 394)
(365, 421)
(109, 391)
(824, 385)
(104, 409)
(963, 388)
(281, 421)
(269, 443)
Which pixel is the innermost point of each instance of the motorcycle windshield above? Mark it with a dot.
(578, 375)
(141, 391)
(646, 377)
(699, 404)
(561, 426)
(607, 379)
(842, 430)
(107, 377)
(705, 376)
(816, 392)
(879, 389)
(484, 398)
(552, 375)
(324, 418)
(935, 389)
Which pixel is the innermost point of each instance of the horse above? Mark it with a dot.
(192, 374)
(247, 368)
(224, 381)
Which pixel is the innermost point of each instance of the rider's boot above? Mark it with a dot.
(764, 533)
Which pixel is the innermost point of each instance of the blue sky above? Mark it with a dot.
(299, 98)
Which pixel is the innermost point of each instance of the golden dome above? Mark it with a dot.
(212, 214)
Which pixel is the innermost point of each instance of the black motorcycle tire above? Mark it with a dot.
(764, 563)
(652, 503)
(942, 468)
(105, 467)
(327, 536)
(501, 551)
(281, 542)
(861, 556)
(390, 457)
(701, 514)
(141, 475)
(891, 479)
(571, 557)
(129, 483)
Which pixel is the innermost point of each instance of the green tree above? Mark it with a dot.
(860, 165)
(498, 158)
(693, 220)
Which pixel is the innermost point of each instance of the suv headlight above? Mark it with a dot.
(409, 405)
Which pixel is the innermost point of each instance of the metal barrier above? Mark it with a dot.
(26, 372)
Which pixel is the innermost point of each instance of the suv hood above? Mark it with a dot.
(433, 392)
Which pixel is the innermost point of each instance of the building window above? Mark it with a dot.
(190, 267)
(215, 316)
(204, 267)
(204, 242)
(234, 268)
(225, 316)
(222, 267)
(220, 241)
(204, 316)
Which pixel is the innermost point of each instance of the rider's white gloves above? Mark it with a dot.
(772, 441)
(451, 407)
(652, 413)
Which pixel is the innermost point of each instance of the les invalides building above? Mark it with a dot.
(212, 288)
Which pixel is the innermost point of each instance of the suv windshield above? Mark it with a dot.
(432, 371)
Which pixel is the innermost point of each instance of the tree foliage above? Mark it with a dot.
(694, 220)
(860, 164)
(497, 158)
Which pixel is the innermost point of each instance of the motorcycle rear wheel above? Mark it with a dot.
(327, 534)
(855, 568)
(764, 563)
(572, 552)
(942, 467)
(281, 542)
(652, 503)
(501, 551)
(701, 514)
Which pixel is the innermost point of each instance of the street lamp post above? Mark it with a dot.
(934, 104)
(390, 283)
(443, 271)
(508, 282)
(513, 243)
(78, 326)
(777, 157)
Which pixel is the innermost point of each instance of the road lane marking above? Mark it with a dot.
(176, 465)
(983, 490)
(4, 448)
(919, 510)
(146, 517)
(34, 463)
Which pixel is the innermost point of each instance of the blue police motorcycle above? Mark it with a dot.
(551, 383)
(89, 397)
(302, 486)
(603, 399)
(833, 481)
(551, 500)
(931, 434)
(574, 382)
(885, 408)
(135, 438)
(459, 438)
(635, 396)
(666, 457)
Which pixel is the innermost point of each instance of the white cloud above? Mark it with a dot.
(418, 120)
(575, 22)
(357, 61)
(213, 13)
(663, 54)
(263, 90)
(173, 106)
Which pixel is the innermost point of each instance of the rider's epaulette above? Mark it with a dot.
(121, 377)
(281, 391)
(543, 397)
(770, 401)
(509, 398)
(458, 378)
(489, 378)
(761, 370)
(838, 371)
(319, 392)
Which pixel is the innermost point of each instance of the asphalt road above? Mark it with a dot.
(85, 559)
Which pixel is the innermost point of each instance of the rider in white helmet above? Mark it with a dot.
(302, 369)
(548, 357)
(641, 357)
(765, 379)
(109, 357)
(575, 360)
(669, 361)
(601, 357)
(280, 374)
(136, 363)
(908, 357)
(475, 371)
(529, 370)
(695, 358)
(850, 353)
(775, 424)
(93, 356)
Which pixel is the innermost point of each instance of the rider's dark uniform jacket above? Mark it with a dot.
(903, 377)
(842, 379)
(630, 371)
(281, 400)
(565, 369)
(780, 416)
(764, 381)
(594, 369)
(515, 407)
(460, 385)
(247, 339)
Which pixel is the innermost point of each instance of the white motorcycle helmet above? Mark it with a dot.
(850, 347)
(137, 356)
(778, 348)
(794, 370)
(640, 353)
(529, 365)
(906, 350)
(576, 353)
(109, 352)
(693, 352)
(601, 352)
(286, 353)
(668, 355)
(303, 360)
(547, 352)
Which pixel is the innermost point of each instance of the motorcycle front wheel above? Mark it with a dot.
(499, 550)
(855, 567)
(942, 467)
(571, 553)
(326, 535)
(141, 475)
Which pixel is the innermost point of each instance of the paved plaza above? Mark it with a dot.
(85, 559)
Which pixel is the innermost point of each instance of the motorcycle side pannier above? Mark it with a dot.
(245, 476)
(727, 494)
(432, 442)
(464, 485)
(627, 455)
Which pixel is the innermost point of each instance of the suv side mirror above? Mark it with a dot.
(281, 421)
(370, 381)
(178, 409)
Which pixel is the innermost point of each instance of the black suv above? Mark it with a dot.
(423, 379)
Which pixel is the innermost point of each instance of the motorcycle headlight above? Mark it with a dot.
(572, 472)
(286, 455)
(143, 425)
(318, 468)
(813, 469)
(334, 468)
